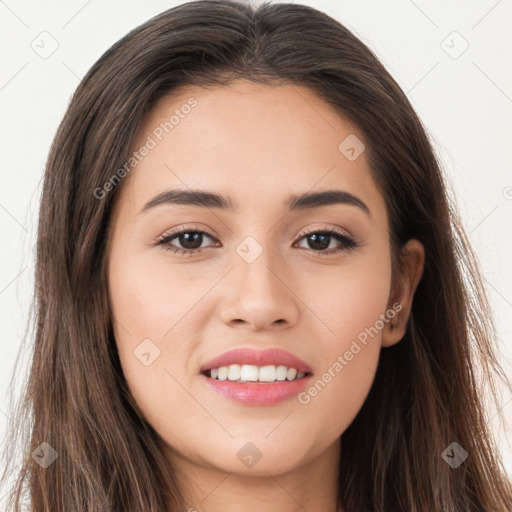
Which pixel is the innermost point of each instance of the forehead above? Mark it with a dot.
(254, 142)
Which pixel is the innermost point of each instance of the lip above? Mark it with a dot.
(257, 394)
(241, 356)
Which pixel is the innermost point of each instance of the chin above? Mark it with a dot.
(256, 458)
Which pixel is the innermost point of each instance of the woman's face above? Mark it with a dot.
(265, 278)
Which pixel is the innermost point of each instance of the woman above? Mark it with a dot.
(252, 291)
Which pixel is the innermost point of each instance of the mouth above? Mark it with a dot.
(257, 377)
(252, 374)
(260, 386)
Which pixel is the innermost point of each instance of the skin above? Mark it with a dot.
(257, 144)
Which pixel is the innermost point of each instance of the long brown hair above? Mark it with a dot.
(429, 388)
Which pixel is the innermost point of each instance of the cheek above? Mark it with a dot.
(149, 296)
(350, 298)
(150, 306)
(354, 312)
(150, 303)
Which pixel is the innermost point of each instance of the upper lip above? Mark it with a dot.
(266, 357)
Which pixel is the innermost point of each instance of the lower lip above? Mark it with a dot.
(258, 394)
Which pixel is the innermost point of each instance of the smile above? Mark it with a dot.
(253, 373)
(256, 392)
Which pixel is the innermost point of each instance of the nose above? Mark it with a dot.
(264, 298)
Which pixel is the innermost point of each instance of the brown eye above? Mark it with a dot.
(190, 241)
(319, 241)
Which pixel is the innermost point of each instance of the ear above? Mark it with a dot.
(413, 261)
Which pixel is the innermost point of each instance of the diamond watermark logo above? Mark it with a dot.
(249, 455)
(249, 249)
(351, 147)
(45, 45)
(44, 455)
(454, 45)
(146, 352)
(454, 455)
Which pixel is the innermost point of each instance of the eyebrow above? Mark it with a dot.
(308, 200)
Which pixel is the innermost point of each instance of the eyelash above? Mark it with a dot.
(347, 243)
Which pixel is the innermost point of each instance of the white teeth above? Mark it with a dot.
(291, 373)
(234, 372)
(267, 373)
(281, 372)
(253, 373)
(249, 373)
(223, 373)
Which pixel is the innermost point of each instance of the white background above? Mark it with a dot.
(465, 103)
